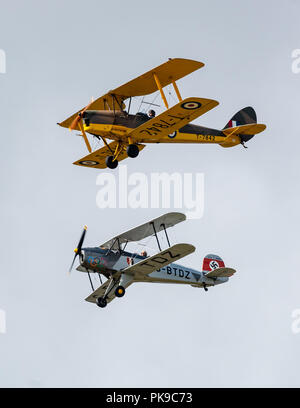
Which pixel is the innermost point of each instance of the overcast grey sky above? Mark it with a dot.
(59, 54)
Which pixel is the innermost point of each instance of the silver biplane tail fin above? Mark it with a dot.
(212, 262)
(214, 267)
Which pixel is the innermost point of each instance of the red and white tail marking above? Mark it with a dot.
(212, 262)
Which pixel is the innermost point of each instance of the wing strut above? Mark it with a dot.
(90, 280)
(99, 274)
(116, 240)
(156, 236)
(155, 233)
(160, 90)
(166, 234)
(177, 91)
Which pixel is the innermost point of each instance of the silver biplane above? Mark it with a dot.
(121, 268)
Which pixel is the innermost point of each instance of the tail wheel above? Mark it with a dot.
(132, 150)
(120, 291)
(111, 163)
(101, 302)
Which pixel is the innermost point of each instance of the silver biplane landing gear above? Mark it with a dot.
(101, 302)
(205, 287)
(132, 150)
(120, 291)
(111, 163)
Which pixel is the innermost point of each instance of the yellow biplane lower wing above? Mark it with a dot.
(97, 159)
(171, 120)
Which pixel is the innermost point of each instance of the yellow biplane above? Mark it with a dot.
(106, 118)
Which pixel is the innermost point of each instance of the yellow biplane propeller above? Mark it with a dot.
(78, 121)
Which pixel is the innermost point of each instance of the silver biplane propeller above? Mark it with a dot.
(77, 250)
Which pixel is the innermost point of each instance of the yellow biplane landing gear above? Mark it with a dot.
(120, 291)
(112, 161)
(101, 302)
(132, 150)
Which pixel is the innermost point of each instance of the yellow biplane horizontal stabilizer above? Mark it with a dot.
(249, 129)
(232, 134)
(97, 158)
(171, 120)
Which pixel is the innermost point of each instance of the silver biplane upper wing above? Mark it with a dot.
(145, 230)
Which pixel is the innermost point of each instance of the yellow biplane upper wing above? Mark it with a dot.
(97, 158)
(145, 84)
(172, 119)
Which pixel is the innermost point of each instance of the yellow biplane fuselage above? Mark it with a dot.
(117, 126)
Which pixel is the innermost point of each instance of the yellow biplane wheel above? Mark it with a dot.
(132, 150)
(111, 163)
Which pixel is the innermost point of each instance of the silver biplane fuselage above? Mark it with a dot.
(106, 262)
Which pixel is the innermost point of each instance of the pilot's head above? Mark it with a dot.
(151, 113)
(144, 253)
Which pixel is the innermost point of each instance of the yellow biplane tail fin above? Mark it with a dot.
(241, 128)
(246, 116)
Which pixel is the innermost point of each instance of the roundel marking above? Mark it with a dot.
(214, 264)
(172, 135)
(88, 163)
(94, 261)
(191, 105)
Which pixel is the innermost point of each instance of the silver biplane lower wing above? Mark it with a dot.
(143, 268)
(100, 292)
(145, 230)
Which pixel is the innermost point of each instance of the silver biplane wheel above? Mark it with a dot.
(120, 291)
(132, 150)
(101, 302)
(111, 163)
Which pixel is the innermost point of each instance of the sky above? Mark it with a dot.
(59, 54)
